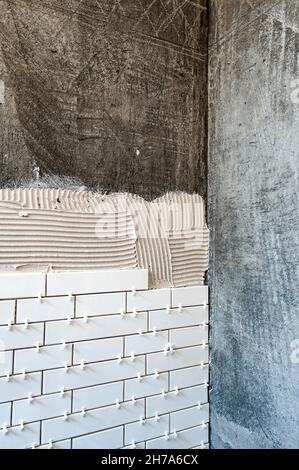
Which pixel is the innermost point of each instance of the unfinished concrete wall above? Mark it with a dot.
(112, 92)
(253, 216)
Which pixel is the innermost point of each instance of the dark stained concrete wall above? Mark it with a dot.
(112, 92)
(253, 216)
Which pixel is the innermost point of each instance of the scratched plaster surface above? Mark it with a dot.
(111, 92)
(253, 217)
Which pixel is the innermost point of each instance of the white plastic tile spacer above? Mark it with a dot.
(133, 444)
(140, 332)
(66, 367)
(7, 377)
(26, 323)
(156, 374)
(204, 325)
(176, 391)
(202, 445)
(9, 324)
(157, 417)
(119, 359)
(135, 313)
(164, 394)
(180, 308)
(69, 319)
(133, 291)
(203, 424)
(199, 405)
(4, 429)
(64, 345)
(122, 314)
(171, 350)
(155, 331)
(65, 415)
(37, 346)
(205, 305)
(133, 357)
(62, 392)
(166, 436)
(23, 214)
(33, 446)
(204, 345)
(82, 364)
(139, 377)
(167, 309)
(166, 350)
(24, 374)
(83, 411)
(30, 397)
(141, 420)
(174, 434)
(206, 384)
(202, 364)
(50, 444)
(39, 298)
(85, 318)
(70, 296)
(22, 425)
(133, 400)
(117, 404)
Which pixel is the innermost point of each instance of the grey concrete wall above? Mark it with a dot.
(253, 216)
(111, 92)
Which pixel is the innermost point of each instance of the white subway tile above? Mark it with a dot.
(95, 397)
(149, 385)
(97, 350)
(5, 412)
(148, 300)
(172, 402)
(100, 304)
(190, 336)
(184, 440)
(47, 357)
(94, 420)
(93, 374)
(7, 311)
(189, 376)
(18, 336)
(43, 407)
(17, 438)
(96, 281)
(5, 362)
(110, 439)
(191, 417)
(188, 296)
(146, 343)
(57, 445)
(18, 387)
(95, 328)
(189, 316)
(49, 308)
(148, 430)
(180, 358)
(18, 285)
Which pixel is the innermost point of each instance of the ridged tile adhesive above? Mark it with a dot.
(56, 229)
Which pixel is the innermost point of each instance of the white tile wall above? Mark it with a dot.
(49, 308)
(22, 285)
(83, 375)
(96, 327)
(7, 311)
(98, 350)
(100, 304)
(95, 282)
(18, 336)
(112, 438)
(95, 397)
(188, 296)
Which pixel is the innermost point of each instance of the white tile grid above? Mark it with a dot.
(55, 398)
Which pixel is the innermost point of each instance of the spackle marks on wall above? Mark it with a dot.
(90, 81)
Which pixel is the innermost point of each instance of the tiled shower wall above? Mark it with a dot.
(96, 360)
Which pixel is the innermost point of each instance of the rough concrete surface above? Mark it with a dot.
(253, 217)
(111, 92)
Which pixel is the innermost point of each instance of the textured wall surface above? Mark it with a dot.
(112, 92)
(253, 155)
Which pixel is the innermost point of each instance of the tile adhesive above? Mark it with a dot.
(58, 229)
